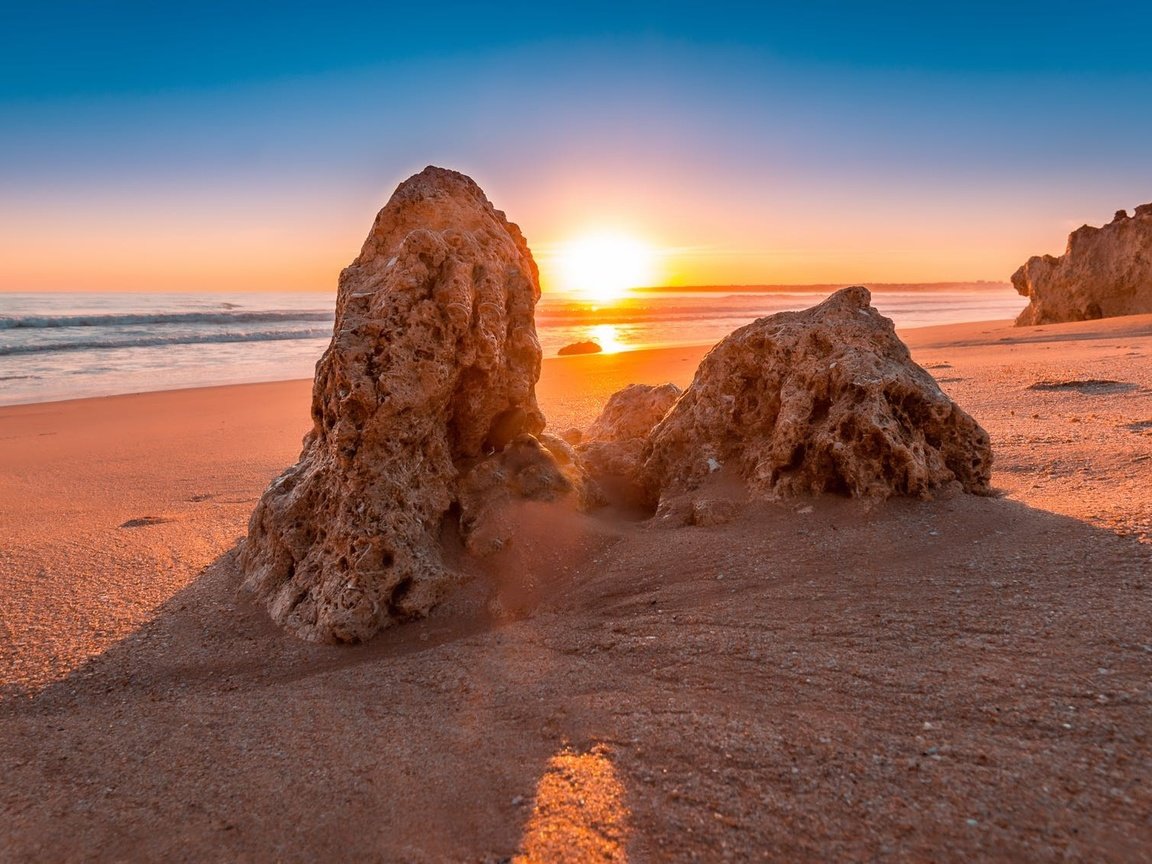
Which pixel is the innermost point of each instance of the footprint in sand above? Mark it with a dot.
(142, 521)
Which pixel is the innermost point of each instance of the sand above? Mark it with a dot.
(954, 680)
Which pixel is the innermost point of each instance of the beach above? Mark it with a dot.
(956, 679)
(81, 345)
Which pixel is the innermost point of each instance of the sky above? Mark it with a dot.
(242, 146)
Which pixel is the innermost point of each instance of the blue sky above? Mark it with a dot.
(238, 144)
(84, 48)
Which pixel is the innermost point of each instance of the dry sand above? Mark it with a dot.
(955, 680)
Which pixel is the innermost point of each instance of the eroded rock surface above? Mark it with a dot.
(1103, 272)
(632, 412)
(588, 347)
(526, 470)
(611, 449)
(823, 400)
(431, 371)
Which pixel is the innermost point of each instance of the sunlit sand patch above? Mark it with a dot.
(579, 815)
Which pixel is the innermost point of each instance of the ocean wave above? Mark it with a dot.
(155, 341)
(20, 322)
(746, 307)
(608, 315)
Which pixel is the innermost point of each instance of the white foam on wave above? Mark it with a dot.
(156, 341)
(66, 346)
(38, 322)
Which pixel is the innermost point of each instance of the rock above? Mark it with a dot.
(588, 347)
(588, 492)
(823, 400)
(613, 466)
(707, 511)
(612, 447)
(1104, 272)
(424, 401)
(563, 452)
(632, 412)
(526, 470)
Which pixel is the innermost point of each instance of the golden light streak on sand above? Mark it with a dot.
(579, 815)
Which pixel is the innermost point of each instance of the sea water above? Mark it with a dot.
(67, 346)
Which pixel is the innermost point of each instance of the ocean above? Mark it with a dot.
(68, 346)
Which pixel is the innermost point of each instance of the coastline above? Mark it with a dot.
(604, 373)
(81, 346)
(612, 367)
(122, 629)
(73, 472)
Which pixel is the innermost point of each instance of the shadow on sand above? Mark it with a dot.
(960, 679)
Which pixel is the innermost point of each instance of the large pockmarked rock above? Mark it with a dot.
(430, 375)
(823, 400)
(1103, 272)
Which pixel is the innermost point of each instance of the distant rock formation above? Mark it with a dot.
(1104, 272)
(429, 377)
(611, 449)
(588, 347)
(823, 400)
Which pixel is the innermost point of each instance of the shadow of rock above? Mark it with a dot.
(1087, 386)
(959, 679)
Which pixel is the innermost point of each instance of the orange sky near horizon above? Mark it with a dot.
(809, 149)
(215, 241)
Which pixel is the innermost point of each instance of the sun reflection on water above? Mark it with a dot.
(607, 336)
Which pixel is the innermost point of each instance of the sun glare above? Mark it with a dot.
(608, 338)
(603, 267)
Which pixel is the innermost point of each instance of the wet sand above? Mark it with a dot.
(961, 679)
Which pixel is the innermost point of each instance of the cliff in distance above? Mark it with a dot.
(1103, 273)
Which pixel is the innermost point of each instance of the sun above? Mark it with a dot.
(602, 267)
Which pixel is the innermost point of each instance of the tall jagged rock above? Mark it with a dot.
(1104, 272)
(823, 400)
(431, 372)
